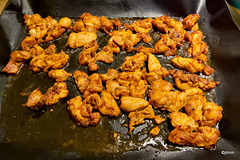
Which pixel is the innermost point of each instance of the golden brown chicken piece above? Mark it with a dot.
(161, 96)
(193, 107)
(212, 114)
(137, 117)
(171, 27)
(87, 22)
(110, 75)
(208, 70)
(190, 22)
(109, 105)
(59, 75)
(155, 131)
(138, 88)
(126, 39)
(116, 89)
(55, 93)
(185, 81)
(145, 50)
(156, 71)
(34, 100)
(189, 64)
(30, 20)
(165, 46)
(204, 137)
(126, 78)
(158, 119)
(88, 56)
(106, 54)
(28, 43)
(133, 63)
(143, 26)
(182, 121)
(49, 60)
(82, 80)
(108, 25)
(82, 113)
(94, 86)
(80, 39)
(129, 104)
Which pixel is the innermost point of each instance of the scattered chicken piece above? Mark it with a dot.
(145, 50)
(126, 78)
(165, 46)
(107, 25)
(158, 119)
(94, 100)
(80, 39)
(106, 54)
(116, 89)
(28, 43)
(34, 100)
(109, 105)
(49, 60)
(94, 86)
(129, 104)
(82, 113)
(155, 131)
(138, 88)
(88, 56)
(133, 63)
(189, 64)
(143, 26)
(182, 121)
(82, 80)
(190, 22)
(208, 70)
(87, 22)
(110, 75)
(59, 75)
(137, 117)
(204, 136)
(185, 81)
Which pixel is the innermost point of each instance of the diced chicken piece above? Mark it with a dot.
(129, 104)
(59, 75)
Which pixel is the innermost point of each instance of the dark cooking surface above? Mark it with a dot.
(25, 134)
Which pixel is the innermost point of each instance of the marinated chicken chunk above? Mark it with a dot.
(189, 64)
(182, 121)
(155, 131)
(190, 22)
(106, 54)
(116, 89)
(156, 71)
(133, 63)
(94, 100)
(204, 136)
(110, 75)
(212, 114)
(158, 119)
(88, 56)
(80, 39)
(82, 80)
(126, 78)
(108, 25)
(49, 60)
(143, 26)
(94, 86)
(53, 95)
(138, 88)
(28, 43)
(82, 113)
(109, 105)
(34, 100)
(87, 22)
(137, 117)
(165, 46)
(145, 50)
(185, 81)
(129, 104)
(59, 75)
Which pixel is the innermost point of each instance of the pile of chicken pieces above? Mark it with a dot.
(141, 90)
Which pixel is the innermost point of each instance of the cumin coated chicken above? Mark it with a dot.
(82, 113)
(143, 26)
(59, 75)
(52, 96)
(185, 81)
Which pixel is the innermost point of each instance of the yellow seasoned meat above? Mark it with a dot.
(190, 22)
(94, 86)
(106, 54)
(203, 137)
(34, 100)
(143, 26)
(109, 105)
(137, 117)
(129, 104)
(82, 80)
(59, 75)
(189, 64)
(111, 74)
(126, 78)
(55, 93)
(82, 113)
(108, 25)
(165, 46)
(185, 81)
(158, 119)
(28, 43)
(133, 63)
(138, 88)
(155, 131)
(80, 39)
(182, 121)
(116, 89)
